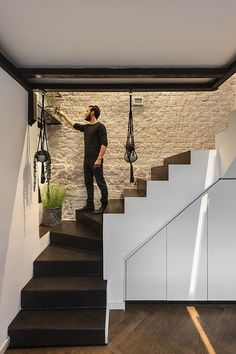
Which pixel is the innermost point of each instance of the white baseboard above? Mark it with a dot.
(4, 346)
(117, 305)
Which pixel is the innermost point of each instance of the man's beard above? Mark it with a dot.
(88, 117)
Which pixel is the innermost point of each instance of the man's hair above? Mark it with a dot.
(96, 110)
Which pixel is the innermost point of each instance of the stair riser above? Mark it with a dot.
(75, 242)
(52, 299)
(50, 337)
(92, 224)
(142, 184)
(53, 268)
(160, 173)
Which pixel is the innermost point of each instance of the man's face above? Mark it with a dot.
(88, 115)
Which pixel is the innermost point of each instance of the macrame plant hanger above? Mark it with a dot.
(42, 155)
(130, 154)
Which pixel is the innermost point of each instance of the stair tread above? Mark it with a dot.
(65, 284)
(144, 179)
(64, 319)
(74, 228)
(115, 206)
(161, 167)
(53, 253)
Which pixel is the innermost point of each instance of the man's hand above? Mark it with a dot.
(97, 163)
(62, 115)
(59, 112)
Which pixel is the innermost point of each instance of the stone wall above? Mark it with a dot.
(166, 124)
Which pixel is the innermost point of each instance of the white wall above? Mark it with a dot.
(19, 216)
(225, 144)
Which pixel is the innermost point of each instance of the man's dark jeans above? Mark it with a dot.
(89, 173)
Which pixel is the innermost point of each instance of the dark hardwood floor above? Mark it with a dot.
(161, 328)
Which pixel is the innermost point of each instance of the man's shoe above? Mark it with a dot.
(101, 209)
(86, 208)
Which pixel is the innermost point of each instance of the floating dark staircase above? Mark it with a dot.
(64, 304)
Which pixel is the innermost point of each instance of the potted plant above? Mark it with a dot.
(52, 196)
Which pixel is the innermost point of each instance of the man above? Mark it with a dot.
(95, 144)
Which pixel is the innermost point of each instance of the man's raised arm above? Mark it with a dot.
(68, 120)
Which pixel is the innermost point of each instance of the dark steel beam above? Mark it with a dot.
(14, 72)
(123, 87)
(31, 73)
(231, 70)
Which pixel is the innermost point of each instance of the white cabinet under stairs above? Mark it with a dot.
(193, 257)
(143, 216)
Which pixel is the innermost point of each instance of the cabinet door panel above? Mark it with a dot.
(222, 241)
(187, 254)
(146, 271)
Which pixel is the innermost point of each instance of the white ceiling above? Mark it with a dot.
(115, 33)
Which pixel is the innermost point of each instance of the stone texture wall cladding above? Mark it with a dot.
(166, 124)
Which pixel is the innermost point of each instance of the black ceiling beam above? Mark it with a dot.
(118, 87)
(14, 72)
(31, 73)
(231, 70)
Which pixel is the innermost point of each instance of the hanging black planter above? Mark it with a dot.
(42, 155)
(130, 153)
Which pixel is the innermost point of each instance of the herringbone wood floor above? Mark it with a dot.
(164, 329)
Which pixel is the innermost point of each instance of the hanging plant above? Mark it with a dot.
(42, 155)
(130, 153)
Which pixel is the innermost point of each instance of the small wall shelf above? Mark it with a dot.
(50, 119)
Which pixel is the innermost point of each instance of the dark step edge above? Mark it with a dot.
(160, 173)
(35, 337)
(31, 291)
(57, 308)
(115, 206)
(68, 268)
(142, 184)
(88, 299)
(77, 243)
(134, 193)
(94, 236)
(88, 221)
(183, 158)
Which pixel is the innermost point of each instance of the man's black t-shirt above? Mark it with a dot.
(95, 135)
